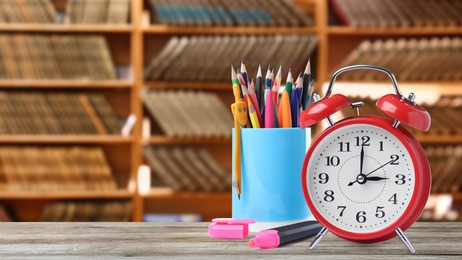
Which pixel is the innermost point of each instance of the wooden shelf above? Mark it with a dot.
(64, 139)
(162, 85)
(116, 194)
(350, 31)
(439, 139)
(66, 28)
(165, 29)
(160, 139)
(64, 83)
(153, 194)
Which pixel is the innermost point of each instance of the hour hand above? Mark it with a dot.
(375, 178)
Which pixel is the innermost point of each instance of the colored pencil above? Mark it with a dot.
(234, 80)
(306, 85)
(289, 82)
(253, 99)
(286, 117)
(244, 73)
(239, 110)
(259, 87)
(269, 111)
(253, 114)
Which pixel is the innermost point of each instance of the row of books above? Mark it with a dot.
(32, 168)
(56, 113)
(88, 211)
(206, 58)
(188, 169)
(163, 217)
(53, 56)
(189, 113)
(445, 115)
(397, 13)
(446, 165)
(78, 11)
(229, 13)
(78, 211)
(97, 11)
(27, 11)
(435, 59)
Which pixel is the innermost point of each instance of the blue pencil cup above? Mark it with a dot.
(271, 175)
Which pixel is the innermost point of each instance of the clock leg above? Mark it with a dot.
(405, 240)
(318, 237)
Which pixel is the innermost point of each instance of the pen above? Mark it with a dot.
(280, 236)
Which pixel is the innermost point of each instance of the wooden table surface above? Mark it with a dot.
(190, 241)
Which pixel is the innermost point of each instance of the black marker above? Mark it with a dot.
(275, 237)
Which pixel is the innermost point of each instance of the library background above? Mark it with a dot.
(118, 110)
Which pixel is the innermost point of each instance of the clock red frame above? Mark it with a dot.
(421, 172)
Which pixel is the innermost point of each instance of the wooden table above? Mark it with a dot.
(190, 241)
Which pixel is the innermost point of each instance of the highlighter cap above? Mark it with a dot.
(265, 239)
(230, 228)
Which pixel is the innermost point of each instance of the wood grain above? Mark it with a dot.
(190, 241)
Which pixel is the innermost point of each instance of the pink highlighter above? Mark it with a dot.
(279, 236)
(233, 228)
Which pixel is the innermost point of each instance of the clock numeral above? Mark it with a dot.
(379, 213)
(393, 199)
(381, 146)
(363, 141)
(323, 178)
(395, 159)
(401, 179)
(333, 160)
(329, 196)
(344, 146)
(361, 217)
(342, 210)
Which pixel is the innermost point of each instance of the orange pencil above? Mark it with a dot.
(285, 116)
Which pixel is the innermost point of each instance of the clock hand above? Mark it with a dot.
(364, 176)
(361, 160)
(376, 178)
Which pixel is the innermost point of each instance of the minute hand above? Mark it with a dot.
(351, 183)
(380, 167)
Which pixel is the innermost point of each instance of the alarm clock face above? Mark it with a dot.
(360, 178)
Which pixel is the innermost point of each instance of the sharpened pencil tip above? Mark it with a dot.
(239, 196)
(308, 67)
(269, 67)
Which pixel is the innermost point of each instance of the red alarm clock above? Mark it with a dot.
(366, 178)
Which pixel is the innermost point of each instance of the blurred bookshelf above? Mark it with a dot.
(40, 191)
(133, 44)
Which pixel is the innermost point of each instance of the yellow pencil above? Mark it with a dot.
(253, 114)
(239, 109)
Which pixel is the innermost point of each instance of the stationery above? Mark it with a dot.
(280, 236)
